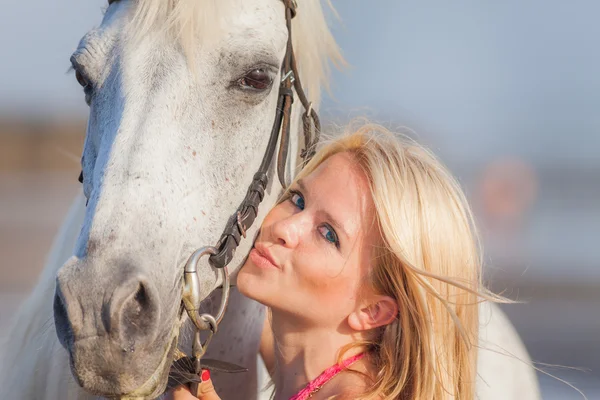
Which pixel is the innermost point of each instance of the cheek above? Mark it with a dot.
(336, 293)
(277, 213)
(328, 283)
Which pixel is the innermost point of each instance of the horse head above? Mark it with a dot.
(182, 96)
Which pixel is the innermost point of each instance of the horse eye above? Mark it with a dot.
(81, 80)
(258, 79)
(85, 84)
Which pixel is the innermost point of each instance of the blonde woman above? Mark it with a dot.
(370, 268)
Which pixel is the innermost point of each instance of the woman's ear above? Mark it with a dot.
(381, 311)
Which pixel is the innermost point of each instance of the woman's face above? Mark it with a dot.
(314, 249)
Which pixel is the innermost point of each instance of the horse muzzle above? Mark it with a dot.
(112, 327)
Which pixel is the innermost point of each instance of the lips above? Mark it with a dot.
(261, 256)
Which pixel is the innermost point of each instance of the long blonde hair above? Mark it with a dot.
(428, 260)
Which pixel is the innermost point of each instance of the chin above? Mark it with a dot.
(254, 286)
(245, 282)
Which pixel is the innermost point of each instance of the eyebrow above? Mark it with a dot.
(336, 224)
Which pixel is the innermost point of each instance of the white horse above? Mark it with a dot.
(182, 95)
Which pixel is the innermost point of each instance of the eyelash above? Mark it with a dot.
(336, 241)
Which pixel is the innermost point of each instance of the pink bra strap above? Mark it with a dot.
(314, 385)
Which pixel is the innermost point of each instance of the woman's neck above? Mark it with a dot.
(303, 352)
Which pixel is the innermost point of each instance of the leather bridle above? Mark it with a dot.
(237, 225)
(247, 211)
(186, 369)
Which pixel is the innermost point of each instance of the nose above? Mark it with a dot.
(125, 307)
(288, 231)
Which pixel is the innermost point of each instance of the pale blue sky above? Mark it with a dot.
(37, 38)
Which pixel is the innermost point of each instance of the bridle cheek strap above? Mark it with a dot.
(244, 217)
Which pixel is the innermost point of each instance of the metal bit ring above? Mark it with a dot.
(191, 301)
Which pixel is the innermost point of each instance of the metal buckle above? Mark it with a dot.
(290, 75)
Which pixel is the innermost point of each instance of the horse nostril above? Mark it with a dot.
(62, 324)
(138, 315)
(141, 297)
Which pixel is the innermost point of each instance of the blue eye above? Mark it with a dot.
(329, 234)
(325, 230)
(297, 200)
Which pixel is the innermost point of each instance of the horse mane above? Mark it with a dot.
(188, 20)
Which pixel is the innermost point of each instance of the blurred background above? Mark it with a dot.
(506, 93)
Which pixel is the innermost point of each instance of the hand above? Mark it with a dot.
(206, 390)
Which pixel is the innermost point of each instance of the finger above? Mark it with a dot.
(206, 390)
(180, 393)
